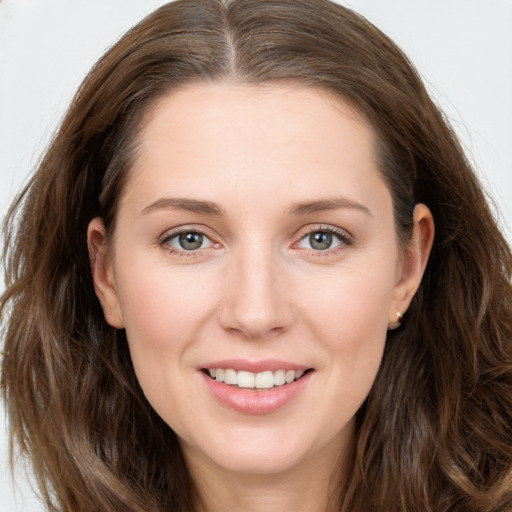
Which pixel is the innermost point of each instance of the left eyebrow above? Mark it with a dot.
(327, 204)
(190, 205)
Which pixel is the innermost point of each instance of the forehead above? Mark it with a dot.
(262, 137)
(288, 108)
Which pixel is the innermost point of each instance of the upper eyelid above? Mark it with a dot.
(343, 233)
(186, 228)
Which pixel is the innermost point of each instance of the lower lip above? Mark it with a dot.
(251, 401)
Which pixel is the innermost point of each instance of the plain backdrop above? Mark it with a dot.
(462, 48)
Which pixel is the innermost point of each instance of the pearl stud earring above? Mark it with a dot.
(397, 323)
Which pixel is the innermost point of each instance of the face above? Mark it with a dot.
(255, 243)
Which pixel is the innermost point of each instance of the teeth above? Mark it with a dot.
(230, 377)
(261, 380)
(264, 380)
(245, 380)
(280, 377)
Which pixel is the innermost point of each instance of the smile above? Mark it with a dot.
(249, 380)
(266, 389)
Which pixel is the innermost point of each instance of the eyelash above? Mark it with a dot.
(345, 240)
(183, 253)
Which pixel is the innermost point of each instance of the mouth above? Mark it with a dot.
(256, 387)
(263, 380)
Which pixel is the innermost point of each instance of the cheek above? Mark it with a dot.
(350, 320)
(354, 301)
(163, 313)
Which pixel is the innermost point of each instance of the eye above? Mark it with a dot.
(189, 241)
(322, 240)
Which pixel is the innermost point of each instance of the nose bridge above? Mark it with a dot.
(256, 303)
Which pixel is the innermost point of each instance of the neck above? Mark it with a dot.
(311, 486)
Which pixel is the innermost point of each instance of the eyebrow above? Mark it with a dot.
(327, 204)
(190, 205)
(211, 208)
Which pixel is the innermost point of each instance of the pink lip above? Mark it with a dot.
(251, 401)
(255, 366)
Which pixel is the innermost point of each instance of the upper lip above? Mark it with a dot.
(255, 366)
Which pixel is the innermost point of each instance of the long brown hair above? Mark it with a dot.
(435, 433)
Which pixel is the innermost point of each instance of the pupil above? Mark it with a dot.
(320, 240)
(191, 241)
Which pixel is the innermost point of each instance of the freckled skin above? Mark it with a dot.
(256, 288)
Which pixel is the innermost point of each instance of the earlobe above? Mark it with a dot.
(412, 266)
(395, 323)
(103, 273)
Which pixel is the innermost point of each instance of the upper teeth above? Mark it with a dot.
(262, 380)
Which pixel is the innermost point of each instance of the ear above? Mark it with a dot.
(412, 265)
(103, 273)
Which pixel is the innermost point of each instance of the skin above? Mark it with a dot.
(258, 289)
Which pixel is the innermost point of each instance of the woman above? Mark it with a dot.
(224, 287)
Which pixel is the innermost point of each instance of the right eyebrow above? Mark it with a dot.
(327, 204)
(180, 203)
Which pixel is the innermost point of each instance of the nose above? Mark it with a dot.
(256, 296)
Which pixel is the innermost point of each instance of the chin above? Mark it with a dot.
(257, 451)
(259, 462)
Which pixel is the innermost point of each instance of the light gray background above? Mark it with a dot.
(462, 48)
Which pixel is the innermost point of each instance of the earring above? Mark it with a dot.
(397, 323)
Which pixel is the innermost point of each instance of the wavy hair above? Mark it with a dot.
(435, 433)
